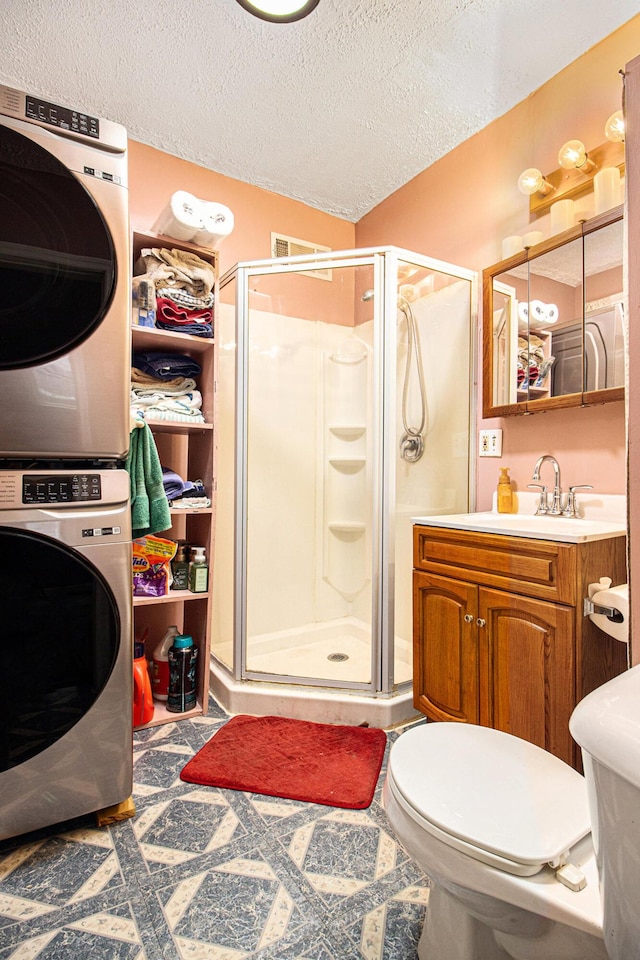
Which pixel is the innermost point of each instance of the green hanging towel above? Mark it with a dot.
(149, 505)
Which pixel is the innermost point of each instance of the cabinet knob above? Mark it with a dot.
(481, 622)
(468, 618)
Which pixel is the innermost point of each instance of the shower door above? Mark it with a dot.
(311, 476)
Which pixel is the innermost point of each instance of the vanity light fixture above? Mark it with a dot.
(573, 156)
(279, 11)
(575, 176)
(614, 127)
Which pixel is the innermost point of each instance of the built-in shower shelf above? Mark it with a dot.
(348, 431)
(347, 464)
(347, 528)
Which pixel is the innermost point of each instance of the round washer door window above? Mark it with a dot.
(57, 260)
(61, 633)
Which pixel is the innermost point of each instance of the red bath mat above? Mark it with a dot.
(294, 759)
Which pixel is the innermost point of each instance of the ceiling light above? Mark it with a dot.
(531, 181)
(573, 155)
(614, 127)
(279, 11)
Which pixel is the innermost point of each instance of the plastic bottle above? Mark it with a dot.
(198, 571)
(180, 569)
(142, 701)
(160, 664)
(505, 492)
(183, 658)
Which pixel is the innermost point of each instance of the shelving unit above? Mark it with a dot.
(189, 450)
(529, 390)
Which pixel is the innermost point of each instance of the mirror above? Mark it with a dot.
(555, 331)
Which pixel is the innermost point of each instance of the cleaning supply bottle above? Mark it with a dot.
(142, 700)
(180, 569)
(505, 492)
(198, 571)
(183, 658)
(160, 664)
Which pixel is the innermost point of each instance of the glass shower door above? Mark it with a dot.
(310, 477)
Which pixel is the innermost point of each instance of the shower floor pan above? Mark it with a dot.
(335, 651)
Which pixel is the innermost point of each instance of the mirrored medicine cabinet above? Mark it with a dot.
(553, 322)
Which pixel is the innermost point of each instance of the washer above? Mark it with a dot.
(64, 275)
(66, 723)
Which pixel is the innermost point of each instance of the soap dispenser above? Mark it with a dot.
(505, 492)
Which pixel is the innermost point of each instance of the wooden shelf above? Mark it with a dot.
(152, 338)
(188, 449)
(161, 715)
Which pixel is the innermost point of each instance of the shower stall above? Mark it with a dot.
(345, 402)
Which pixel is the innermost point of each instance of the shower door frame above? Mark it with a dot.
(384, 261)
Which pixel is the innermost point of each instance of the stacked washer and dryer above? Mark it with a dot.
(65, 529)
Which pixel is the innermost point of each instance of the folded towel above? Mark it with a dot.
(178, 295)
(170, 312)
(142, 383)
(166, 366)
(176, 268)
(192, 329)
(175, 486)
(149, 505)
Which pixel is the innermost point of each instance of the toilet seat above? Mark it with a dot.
(495, 797)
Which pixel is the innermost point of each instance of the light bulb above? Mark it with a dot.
(614, 127)
(573, 155)
(531, 181)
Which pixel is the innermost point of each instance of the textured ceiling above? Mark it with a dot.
(337, 110)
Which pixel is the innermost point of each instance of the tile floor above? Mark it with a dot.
(207, 874)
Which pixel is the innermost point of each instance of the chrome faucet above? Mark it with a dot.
(556, 504)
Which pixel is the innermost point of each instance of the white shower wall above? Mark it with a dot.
(289, 478)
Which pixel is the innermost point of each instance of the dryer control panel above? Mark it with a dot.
(70, 488)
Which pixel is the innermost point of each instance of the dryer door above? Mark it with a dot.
(57, 259)
(61, 637)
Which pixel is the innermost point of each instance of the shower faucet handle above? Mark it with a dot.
(543, 503)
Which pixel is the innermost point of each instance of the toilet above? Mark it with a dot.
(527, 858)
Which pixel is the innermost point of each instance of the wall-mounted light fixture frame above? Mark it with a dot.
(284, 12)
(569, 184)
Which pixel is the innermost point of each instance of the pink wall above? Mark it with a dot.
(154, 176)
(461, 208)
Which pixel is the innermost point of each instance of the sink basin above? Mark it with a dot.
(565, 529)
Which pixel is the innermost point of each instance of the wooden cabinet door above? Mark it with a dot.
(527, 677)
(445, 684)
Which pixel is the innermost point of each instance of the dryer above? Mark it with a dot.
(64, 282)
(66, 722)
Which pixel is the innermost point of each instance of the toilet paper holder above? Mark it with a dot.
(610, 613)
(589, 607)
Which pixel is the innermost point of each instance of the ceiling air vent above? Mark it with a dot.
(282, 246)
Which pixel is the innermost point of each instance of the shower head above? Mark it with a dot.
(368, 295)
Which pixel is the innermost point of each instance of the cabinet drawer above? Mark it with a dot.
(532, 568)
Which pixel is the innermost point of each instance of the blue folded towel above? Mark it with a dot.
(166, 366)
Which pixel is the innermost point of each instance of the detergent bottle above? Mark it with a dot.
(142, 700)
(160, 665)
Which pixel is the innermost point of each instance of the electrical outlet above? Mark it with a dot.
(490, 443)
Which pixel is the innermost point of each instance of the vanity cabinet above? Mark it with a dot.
(189, 450)
(499, 633)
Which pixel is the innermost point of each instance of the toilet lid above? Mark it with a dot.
(499, 798)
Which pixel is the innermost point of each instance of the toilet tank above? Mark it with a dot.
(606, 725)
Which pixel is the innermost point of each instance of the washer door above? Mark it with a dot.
(61, 631)
(57, 259)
